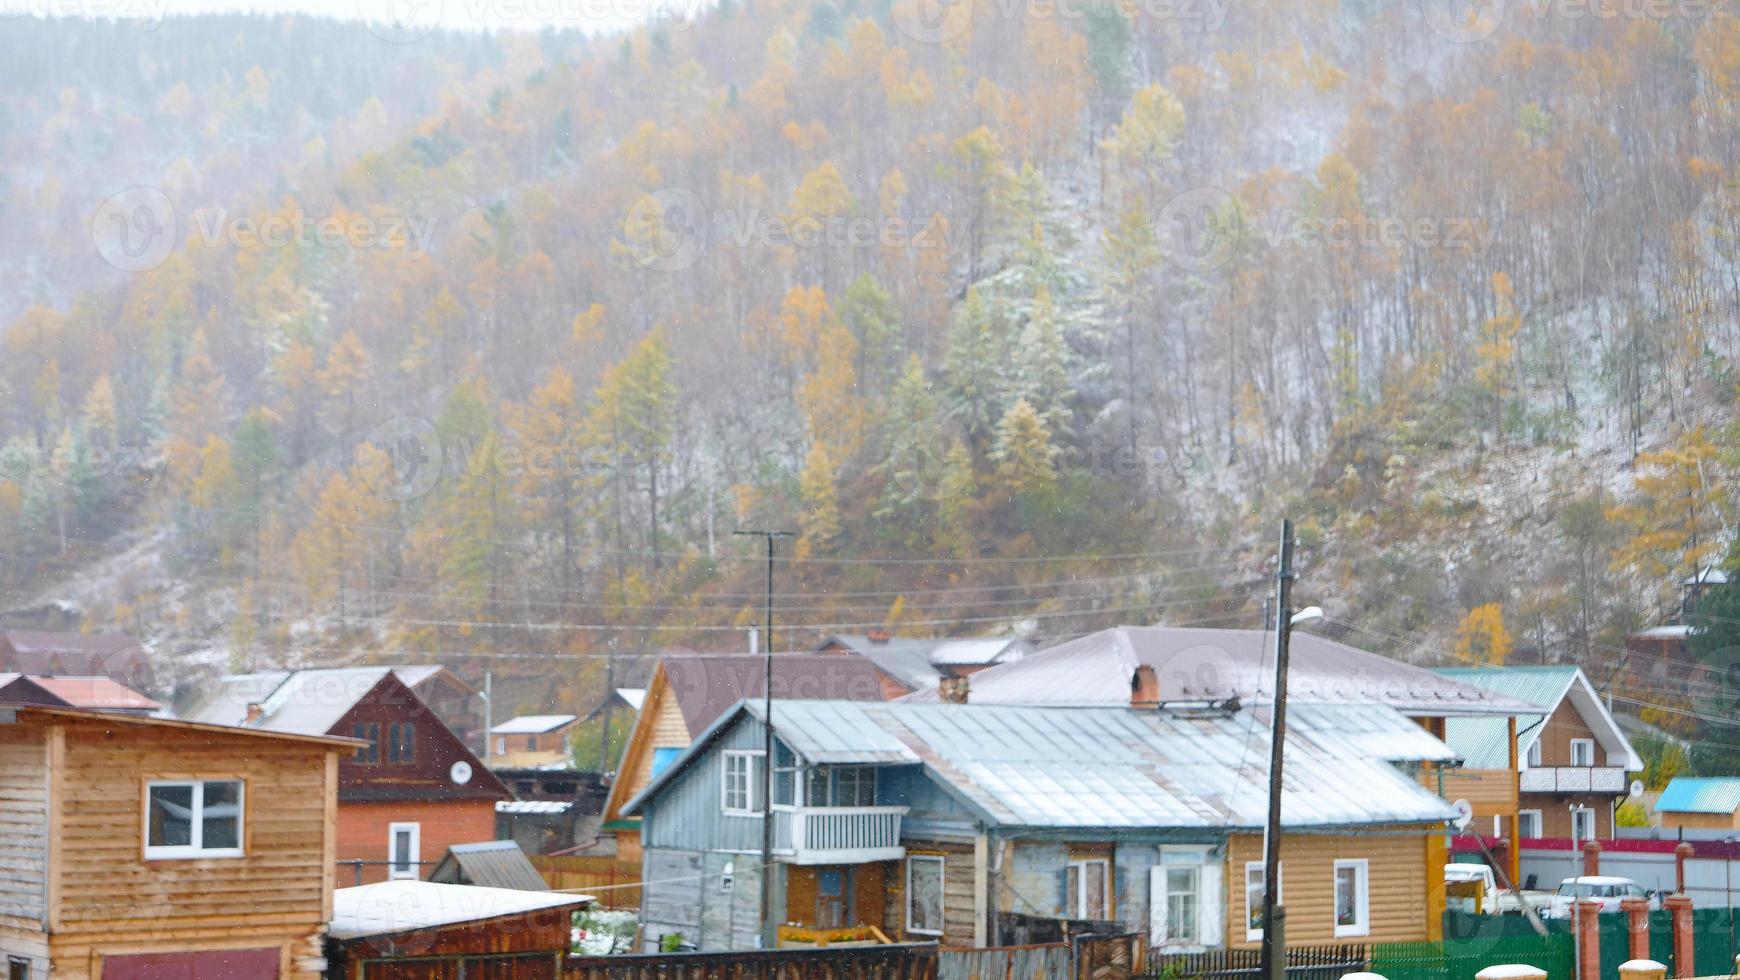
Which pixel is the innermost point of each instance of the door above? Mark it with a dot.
(833, 885)
(218, 964)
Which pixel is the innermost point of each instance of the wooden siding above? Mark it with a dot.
(1492, 792)
(1556, 818)
(688, 812)
(959, 900)
(23, 829)
(863, 905)
(426, 776)
(110, 900)
(659, 725)
(1700, 821)
(1560, 728)
(1398, 883)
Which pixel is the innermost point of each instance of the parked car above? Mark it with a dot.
(1461, 873)
(1607, 890)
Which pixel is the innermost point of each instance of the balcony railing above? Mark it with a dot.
(1573, 779)
(837, 834)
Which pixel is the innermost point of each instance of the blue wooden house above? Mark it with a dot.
(911, 821)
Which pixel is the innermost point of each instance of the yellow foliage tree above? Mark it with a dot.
(1678, 511)
(1482, 638)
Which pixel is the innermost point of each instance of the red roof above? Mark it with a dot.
(95, 693)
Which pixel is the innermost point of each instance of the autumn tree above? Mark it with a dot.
(1481, 637)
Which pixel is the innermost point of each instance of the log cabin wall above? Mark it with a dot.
(108, 900)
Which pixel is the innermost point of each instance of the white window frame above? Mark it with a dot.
(1195, 892)
(725, 777)
(941, 892)
(1577, 742)
(414, 868)
(1532, 759)
(194, 849)
(1253, 935)
(1583, 812)
(1362, 897)
(1522, 817)
(1211, 900)
(1079, 901)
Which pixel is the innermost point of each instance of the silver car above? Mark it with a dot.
(1605, 889)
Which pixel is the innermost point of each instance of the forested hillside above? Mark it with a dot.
(1026, 316)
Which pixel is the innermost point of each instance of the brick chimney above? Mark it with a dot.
(876, 636)
(953, 690)
(1145, 688)
(254, 712)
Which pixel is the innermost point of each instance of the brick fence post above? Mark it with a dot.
(1637, 925)
(1683, 851)
(1642, 970)
(1591, 858)
(1684, 955)
(1588, 913)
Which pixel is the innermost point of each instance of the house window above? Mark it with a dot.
(1086, 884)
(193, 818)
(369, 732)
(739, 794)
(1528, 825)
(1535, 754)
(532, 743)
(1582, 824)
(1352, 909)
(17, 968)
(403, 843)
(500, 745)
(1183, 904)
(1254, 897)
(1582, 752)
(855, 786)
(924, 894)
(401, 741)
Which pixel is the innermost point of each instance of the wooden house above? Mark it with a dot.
(1569, 758)
(119, 658)
(407, 793)
(687, 693)
(532, 740)
(138, 847)
(1692, 803)
(916, 821)
(429, 929)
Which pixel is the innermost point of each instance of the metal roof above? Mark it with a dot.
(533, 724)
(706, 686)
(491, 864)
(1213, 664)
(537, 808)
(1048, 767)
(1481, 741)
(634, 697)
(97, 693)
(1686, 794)
(308, 701)
(389, 907)
(915, 660)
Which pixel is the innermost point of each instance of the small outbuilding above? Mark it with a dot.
(415, 929)
(1700, 803)
(492, 864)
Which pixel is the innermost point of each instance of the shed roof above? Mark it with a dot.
(389, 907)
(96, 693)
(1103, 768)
(533, 724)
(1687, 794)
(1212, 664)
(1482, 741)
(111, 719)
(492, 864)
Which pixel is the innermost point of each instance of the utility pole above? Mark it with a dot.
(1274, 916)
(768, 936)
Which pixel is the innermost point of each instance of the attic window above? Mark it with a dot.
(193, 818)
(401, 741)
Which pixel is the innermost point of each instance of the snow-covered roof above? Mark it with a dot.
(533, 724)
(634, 697)
(403, 906)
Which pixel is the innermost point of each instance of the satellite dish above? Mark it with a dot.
(1464, 813)
(460, 773)
(1636, 788)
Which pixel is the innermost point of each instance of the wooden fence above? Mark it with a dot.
(1303, 963)
(614, 883)
(1047, 961)
(895, 962)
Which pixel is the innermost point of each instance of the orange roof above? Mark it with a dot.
(97, 693)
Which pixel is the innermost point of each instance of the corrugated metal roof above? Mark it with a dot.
(490, 864)
(1484, 742)
(1213, 664)
(707, 686)
(96, 693)
(1686, 794)
(307, 701)
(533, 724)
(1035, 766)
(914, 660)
(390, 907)
(533, 807)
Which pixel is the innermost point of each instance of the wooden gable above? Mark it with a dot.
(659, 725)
(381, 773)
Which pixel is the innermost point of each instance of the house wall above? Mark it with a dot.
(662, 728)
(1492, 792)
(689, 814)
(24, 845)
(959, 894)
(363, 833)
(111, 901)
(1700, 821)
(686, 893)
(1399, 885)
(1560, 728)
(1556, 818)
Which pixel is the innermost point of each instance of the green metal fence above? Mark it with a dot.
(1715, 941)
(1472, 943)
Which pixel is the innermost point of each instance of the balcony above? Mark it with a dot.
(1573, 779)
(837, 834)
